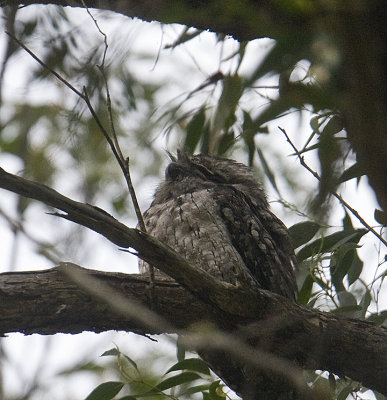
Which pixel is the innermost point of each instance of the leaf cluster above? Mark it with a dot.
(187, 377)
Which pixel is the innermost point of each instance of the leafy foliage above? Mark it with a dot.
(229, 114)
(181, 380)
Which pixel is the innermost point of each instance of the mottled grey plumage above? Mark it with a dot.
(214, 212)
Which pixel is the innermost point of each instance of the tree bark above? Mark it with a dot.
(69, 299)
(50, 301)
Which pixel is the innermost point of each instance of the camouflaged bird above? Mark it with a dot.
(213, 212)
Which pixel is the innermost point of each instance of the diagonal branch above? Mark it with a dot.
(226, 297)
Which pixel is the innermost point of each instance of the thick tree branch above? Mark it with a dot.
(48, 302)
(243, 20)
(225, 296)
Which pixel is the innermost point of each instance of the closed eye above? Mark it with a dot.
(206, 173)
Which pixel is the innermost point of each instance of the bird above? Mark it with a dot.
(214, 212)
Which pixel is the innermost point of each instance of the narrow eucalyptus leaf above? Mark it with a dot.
(105, 391)
(177, 380)
(191, 364)
(302, 232)
(328, 243)
(354, 171)
(194, 131)
(268, 171)
(380, 216)
(111, 352)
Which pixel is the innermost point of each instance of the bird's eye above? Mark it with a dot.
(174, 171)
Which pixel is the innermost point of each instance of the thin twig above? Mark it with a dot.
(115, 146)
(44, 65)
(122, 160)
(113, 143)
(335, 194)
(111, 140)
(100, 31)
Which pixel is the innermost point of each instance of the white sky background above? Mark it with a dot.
(51, 354)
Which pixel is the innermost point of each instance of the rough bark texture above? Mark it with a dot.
(56, 300)
(46, 302)
(49, 301)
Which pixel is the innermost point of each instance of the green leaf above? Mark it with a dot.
(184, 37)
(191, 364)
(347, 223)
(353, 171)
(348, 311)
(356, 268)
(268, 171)
(194, 131)
(111, 352)
(328, 243)
(302, 232)
(306, 290)
(195, 389)
(89, 367)
(380, 216)
(341, 262)
(275, 110)
(328, 152)
(334, 125)
(365, 302)
(180, 350)
(315, 124)
(216, 392)
(132, 362)
(379, 396)
(378, 318)
(205, 140)
(248, 132)
(177, 380)
(250, 129)
(321, 283)
(228, 101)
(225, 142)
(347, 300)
(105, 391)
(343, 395)
(117, 353)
